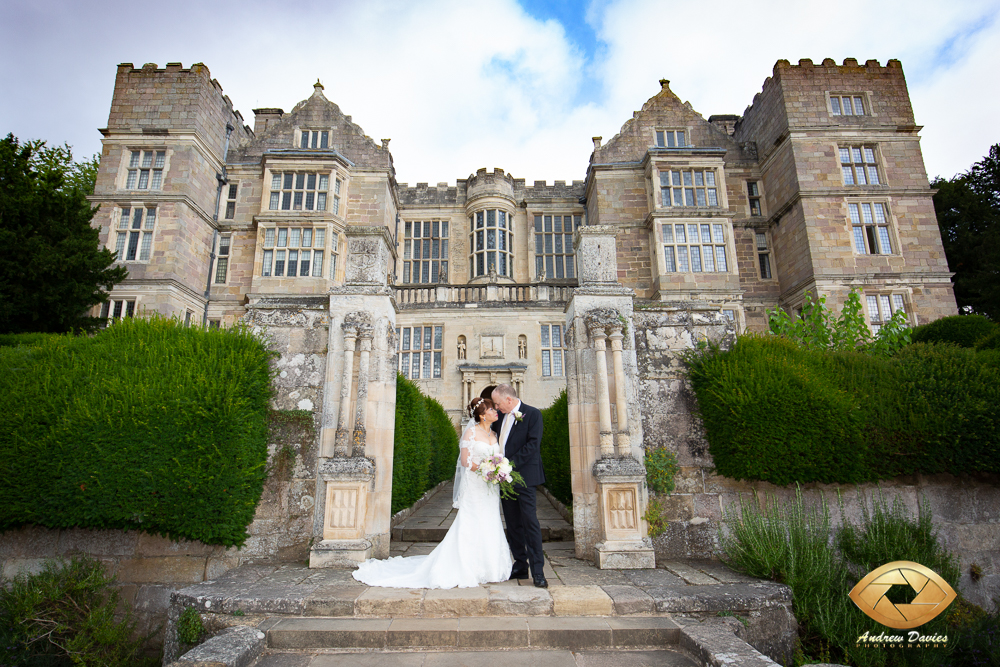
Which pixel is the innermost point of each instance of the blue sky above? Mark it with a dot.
(514, 84)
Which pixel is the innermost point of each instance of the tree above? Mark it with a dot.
(968, 214)
(51, 270)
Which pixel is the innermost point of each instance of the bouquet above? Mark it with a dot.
(497, 470)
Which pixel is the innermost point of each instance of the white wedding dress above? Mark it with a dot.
(473, 552)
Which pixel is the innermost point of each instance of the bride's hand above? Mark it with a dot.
(473, 467)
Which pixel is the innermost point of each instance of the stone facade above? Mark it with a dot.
(682, 229)
(487, 325)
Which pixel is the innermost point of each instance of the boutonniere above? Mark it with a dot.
(518, 416)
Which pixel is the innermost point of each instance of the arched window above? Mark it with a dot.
(491, 243)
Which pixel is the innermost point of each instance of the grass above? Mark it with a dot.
(795, 543)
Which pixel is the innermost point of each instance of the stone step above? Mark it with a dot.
(573, 633)
(409, 533)
(661, 657)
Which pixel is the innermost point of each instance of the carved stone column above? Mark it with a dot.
(609, 482)
(517, 380)
(599, 338)
(361, 411)
(354, 480)
(623, 443)
(342, 444)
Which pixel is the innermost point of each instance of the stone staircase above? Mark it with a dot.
(291, 616)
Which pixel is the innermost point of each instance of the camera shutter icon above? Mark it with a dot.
(933, 594)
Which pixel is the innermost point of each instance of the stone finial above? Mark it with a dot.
(385, 144)
(597, 142)
(665, 84)
(317, 87)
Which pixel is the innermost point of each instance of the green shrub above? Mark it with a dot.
(961, 330)
(411, 452)
(444, 443)
(555, 449)
(425, 448)
(816, 328)
(190, 628)
(66, 615)
(661, 467)
(771, 415)
(790, 543)
(989, 341)
(28, 339)
(149, 425)
(778, 413)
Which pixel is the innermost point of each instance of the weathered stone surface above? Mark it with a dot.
(519, 601)
(572, 633)
(236, 647)
(390, 602)
(719, 597)
(423, 632)
(333, 600)
(689, 574)
(294, 633)
(456, 602)
(648, 631)
(714, 643)
(163, 569)
(630, 600)
(581, 601)
(492, 632)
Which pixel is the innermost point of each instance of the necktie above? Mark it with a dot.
(508, 419)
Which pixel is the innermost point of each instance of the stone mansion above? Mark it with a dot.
(819, 186)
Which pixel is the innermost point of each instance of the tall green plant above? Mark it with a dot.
(817, 328)
(792, 543)
(67, 614)
(411, 446)
(555, 449)
(148, 425)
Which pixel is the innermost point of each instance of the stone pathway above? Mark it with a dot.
(431, 522)
(291, 616)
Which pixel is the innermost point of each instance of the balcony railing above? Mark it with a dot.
(462, 294)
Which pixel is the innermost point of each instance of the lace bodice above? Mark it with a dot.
(480, 450)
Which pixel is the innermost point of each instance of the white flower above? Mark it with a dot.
(518, 415)
(506, 468)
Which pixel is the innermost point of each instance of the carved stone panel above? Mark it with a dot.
(490, 347)
(596, 253)
(621, 509)
(367, 261)
(345, 511)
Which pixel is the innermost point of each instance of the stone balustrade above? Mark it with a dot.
(474, 294)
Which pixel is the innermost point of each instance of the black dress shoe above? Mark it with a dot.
(540, 582)
(518, 574)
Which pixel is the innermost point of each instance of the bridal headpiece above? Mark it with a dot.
(475, 404)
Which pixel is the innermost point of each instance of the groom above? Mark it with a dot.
(520, 435)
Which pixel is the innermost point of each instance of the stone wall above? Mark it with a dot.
(966, 511)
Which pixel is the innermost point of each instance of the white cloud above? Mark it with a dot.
(460, 85)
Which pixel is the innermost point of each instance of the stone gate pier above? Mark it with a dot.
(354, 478)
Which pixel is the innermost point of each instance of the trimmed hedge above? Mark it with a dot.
(425, 447)
(555, 449)
(777, 413)
(961, 330)
(148, 425)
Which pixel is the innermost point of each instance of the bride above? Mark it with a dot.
(474, 551)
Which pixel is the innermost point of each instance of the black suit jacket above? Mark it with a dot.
(524, 442)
